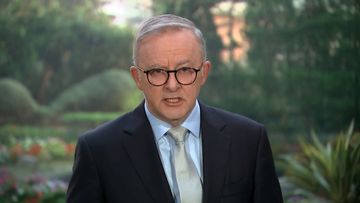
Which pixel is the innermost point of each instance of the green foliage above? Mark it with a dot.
(15, 100)
(313, 33)
(302, 100)
(108, 91)
(56, 149)
(324, 99)
(21, 132)
(51, 45)
(88, 118)
(239, 89)
(331, 170)
(305, 55)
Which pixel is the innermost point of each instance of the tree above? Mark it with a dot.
(306, 51)
(51, 45)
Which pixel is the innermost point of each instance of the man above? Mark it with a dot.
(172, 148)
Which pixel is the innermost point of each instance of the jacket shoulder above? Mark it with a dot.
(110, 130)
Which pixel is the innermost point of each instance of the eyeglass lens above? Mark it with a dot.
(185, 76)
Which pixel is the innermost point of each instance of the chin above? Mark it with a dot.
(169, 117)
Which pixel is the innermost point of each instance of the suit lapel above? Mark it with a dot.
(144, 155)
(215, 153)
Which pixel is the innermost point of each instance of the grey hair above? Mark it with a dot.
(160, 23)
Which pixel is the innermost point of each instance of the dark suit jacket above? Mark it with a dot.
(118, 162)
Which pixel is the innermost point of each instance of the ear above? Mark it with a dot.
(136, 77)
(205, 71)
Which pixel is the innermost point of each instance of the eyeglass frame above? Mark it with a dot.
(171, 71)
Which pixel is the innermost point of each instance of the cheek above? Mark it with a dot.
(198, 84)
(144, 85)
(151, 93)
(192, 92)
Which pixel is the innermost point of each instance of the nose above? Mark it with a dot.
(172, 83)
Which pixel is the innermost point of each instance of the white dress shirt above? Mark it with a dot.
(166, 144)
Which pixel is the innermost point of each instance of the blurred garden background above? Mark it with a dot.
(293, 65)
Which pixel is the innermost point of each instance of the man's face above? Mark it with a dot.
(170, 50)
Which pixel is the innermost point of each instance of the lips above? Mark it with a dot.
(173, 100)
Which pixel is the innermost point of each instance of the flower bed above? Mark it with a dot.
(34, 189)
(36, 150)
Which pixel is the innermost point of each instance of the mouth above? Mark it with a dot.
(173, 101)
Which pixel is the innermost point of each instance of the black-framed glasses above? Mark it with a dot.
(183, 75)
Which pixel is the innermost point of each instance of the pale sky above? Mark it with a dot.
(131, 12)
(128, 11)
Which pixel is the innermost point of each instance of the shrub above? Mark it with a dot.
(332, 170)
(112, 90)
(15, 101)
(88, 119)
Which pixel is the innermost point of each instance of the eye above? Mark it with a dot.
(186, 70)
(156, 72)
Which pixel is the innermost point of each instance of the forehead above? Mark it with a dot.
(169, 47)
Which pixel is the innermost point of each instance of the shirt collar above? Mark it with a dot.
(159, 127)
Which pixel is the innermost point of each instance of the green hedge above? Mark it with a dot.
(15, 100)
(88, 119)
(18, 132)
(112, 90)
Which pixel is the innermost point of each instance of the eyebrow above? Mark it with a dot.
(178, 64)
(182, 62)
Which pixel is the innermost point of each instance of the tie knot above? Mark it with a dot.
(178, 133)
